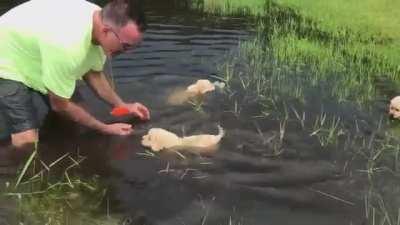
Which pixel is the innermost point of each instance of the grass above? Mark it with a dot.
(308, 53)
(355, 41)
(197, 103)
(44, 197)
(372, 17)
(253, 7)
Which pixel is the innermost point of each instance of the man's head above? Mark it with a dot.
(120, 26)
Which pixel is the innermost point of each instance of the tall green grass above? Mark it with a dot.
(249, 7)
(353, 38)
(285, 90)
(374, 17)
(370, 17)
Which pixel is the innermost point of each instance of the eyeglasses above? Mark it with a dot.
(124, 46)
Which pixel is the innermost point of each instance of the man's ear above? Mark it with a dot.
(105, 29)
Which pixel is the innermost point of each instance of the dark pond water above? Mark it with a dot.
(238, 181)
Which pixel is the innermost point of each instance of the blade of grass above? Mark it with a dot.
(26, 166)
(58, 160)
(332, 196)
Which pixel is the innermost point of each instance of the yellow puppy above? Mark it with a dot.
(158, 139)
(198, 89)
(394, 108)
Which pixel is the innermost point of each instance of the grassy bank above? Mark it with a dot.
(250, 7)
(356, 41)
(373, 17)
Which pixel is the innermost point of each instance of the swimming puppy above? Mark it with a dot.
(394, 107)
(197, 90)
(200, 87)
(159, 139)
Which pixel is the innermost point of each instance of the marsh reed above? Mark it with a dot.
(307, 54)
(55, 193)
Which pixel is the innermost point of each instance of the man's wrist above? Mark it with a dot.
(102, 127)
(119, 104)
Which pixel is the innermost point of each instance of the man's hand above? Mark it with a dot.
(79, 115)
(139, 110)
(121, 129)
(100, 85)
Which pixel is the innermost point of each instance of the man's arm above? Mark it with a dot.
(78, 114)
(99, 83)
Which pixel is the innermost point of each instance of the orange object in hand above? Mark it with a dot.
(120, 111)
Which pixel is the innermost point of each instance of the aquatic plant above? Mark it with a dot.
(350, 57)
(314, 52)
(381, 207)
(43, 196)
(197, 104)
(225, 7)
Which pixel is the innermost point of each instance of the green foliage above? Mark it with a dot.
(333, 51)
(342, 41)
(224, 7)
(45, 197)
(370, 17)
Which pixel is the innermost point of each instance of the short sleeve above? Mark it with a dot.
(58, 73)
(97, 58)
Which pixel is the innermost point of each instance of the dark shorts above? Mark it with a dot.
(21, 107)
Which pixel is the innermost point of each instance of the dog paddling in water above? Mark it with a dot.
(394, 107)
(160, 139)
(197, 90)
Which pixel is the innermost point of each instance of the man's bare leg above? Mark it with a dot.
(25, 140)
(13, 155)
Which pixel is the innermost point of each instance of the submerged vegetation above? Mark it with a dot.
(42, 196)
(316, 67)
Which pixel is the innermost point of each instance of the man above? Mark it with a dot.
(47, 45)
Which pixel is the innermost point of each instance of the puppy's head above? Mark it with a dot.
(394, 108)
(158, 139)
(201, 87)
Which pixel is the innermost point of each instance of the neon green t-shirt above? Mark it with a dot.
(47, 44)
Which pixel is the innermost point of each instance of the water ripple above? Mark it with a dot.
(174, 48)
